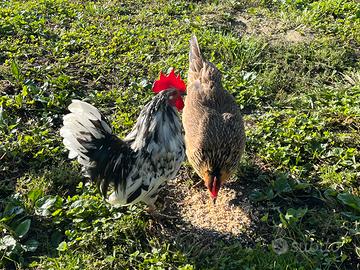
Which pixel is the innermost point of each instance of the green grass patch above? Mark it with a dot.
(301, 102)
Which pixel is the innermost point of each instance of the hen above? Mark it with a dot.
(214, 128)
(138, 165)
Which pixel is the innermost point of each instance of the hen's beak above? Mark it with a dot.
(214, 200)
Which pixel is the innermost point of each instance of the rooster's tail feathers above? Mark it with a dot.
(81, 126)
(82, 108)
(105, 157)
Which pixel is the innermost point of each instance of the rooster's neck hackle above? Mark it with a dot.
(157, 123)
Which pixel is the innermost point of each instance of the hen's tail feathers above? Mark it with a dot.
(195, 57)
(201, 70)
(89, 138)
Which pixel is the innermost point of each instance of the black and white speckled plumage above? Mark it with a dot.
(138, 165)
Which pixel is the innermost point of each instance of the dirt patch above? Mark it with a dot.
(6, 87)
(274, 30)
(294, 36)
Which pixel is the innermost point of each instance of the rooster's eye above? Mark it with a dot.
(173, 95)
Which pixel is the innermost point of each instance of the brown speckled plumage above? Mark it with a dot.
(214, 128)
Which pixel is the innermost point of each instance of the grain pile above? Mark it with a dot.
(195, 211)
(223, 217)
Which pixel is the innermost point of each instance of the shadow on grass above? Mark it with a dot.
(19, 191)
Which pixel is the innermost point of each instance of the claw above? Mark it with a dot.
(150, 208)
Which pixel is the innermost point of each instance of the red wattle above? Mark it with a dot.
(214, 190)
(179, 103)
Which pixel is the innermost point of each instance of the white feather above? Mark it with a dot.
(78, 106)
(77, 125)
(72, 154)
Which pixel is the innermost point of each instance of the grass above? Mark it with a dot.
(300, 97)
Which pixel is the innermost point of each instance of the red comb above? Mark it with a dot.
(169, 81)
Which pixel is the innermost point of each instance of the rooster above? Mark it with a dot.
(214, 128)
(138, 165)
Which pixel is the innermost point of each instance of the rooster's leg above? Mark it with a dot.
(153, 210)
(150, 202)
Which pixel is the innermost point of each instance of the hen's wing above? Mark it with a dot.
(105, 158)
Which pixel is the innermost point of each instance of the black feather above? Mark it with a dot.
(134, 195)
(113, 160)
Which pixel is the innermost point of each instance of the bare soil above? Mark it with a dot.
(274, 30)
